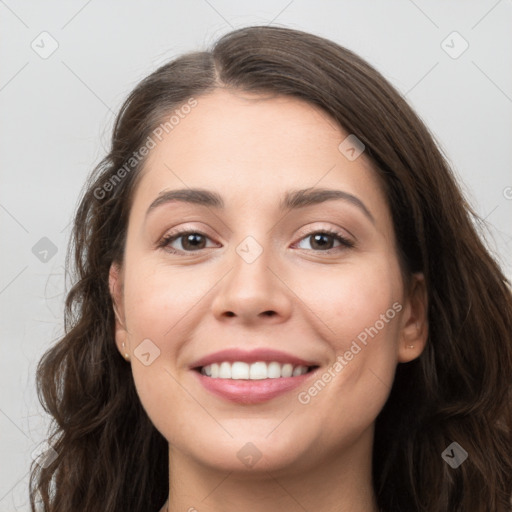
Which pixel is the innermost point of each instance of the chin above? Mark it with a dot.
(249, 455)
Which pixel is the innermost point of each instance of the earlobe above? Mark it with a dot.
(116, 293)
(414, 331)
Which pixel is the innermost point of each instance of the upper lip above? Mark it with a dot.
(261, 354)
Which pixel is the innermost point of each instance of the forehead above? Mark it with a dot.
(250, 128)
(245, 146)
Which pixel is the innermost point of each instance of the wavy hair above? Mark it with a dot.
(110, 457)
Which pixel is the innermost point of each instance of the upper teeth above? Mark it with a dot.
(254, 371)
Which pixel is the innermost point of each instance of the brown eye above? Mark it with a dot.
(325, 240)
(187, 241)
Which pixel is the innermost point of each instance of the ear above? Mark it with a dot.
(414, 329)
(115, 281)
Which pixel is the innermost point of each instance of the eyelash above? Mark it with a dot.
(171, 237)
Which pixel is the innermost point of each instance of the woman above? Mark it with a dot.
(306, 315)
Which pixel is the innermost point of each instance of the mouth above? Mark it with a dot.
(248, 384)
(251, 377)
(259, 370)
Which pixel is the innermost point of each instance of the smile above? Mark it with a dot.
(244, 383)
(258, 370)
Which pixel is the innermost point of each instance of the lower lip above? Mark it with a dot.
(251, 391)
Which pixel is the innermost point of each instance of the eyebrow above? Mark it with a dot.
(292, 200)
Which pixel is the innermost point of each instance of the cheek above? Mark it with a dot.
(158, 297)
(159, 303)
(352, 298)
(361, 305)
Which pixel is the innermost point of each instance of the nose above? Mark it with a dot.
(253, 292)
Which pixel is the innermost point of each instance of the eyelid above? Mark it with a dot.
(308, 230)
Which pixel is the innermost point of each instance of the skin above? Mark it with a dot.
(252, 149)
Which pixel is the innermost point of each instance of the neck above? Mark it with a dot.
(341, 482)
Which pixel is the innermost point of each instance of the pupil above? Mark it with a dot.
(318, 237)
(194, 239)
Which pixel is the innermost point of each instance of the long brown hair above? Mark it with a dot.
(109, 455)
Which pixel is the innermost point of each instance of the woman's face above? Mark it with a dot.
(263, 274)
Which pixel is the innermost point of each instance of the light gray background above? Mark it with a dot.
(57, 113)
